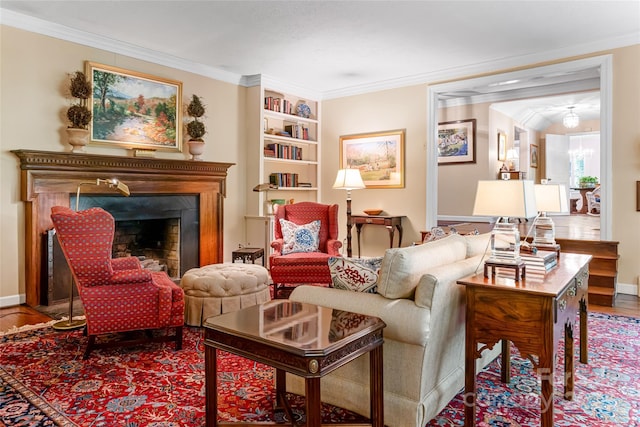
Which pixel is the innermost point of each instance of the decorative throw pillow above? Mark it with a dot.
(300, 238)
(355, 274)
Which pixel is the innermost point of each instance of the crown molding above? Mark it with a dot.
(39, 26)
(488, 66)
(36, 25)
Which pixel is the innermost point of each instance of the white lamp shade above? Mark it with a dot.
(348, 179)
(505, 198)
(551, 198)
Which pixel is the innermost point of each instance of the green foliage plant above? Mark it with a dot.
(588, 181)
(196, 128)
(79, 114)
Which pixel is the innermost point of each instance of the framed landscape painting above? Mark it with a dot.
(379, 156)
(134, 110)
(457, 142)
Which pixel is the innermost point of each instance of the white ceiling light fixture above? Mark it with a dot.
(571, 119)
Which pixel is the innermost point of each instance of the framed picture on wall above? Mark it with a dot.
(378, 155)
(502, 146)
(134, 110)
(457, 142)
(534, 156)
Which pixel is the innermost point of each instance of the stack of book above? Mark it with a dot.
(540, 262)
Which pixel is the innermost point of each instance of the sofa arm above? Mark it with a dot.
(406, 322)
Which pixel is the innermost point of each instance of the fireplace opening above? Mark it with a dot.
(156, 242)
(162, 228)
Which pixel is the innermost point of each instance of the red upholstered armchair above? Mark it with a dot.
(304, 267)
(117, 294)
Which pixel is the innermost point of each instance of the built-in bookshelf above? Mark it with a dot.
(290, 147)
(283, 148)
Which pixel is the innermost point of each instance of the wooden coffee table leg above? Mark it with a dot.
(313, 404)
(376, 387)
(211, 387)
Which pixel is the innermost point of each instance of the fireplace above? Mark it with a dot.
(192, 193)
(164, 228)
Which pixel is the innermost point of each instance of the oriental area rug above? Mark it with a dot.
(45, 382)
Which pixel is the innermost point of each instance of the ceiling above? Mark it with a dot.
(338, 47)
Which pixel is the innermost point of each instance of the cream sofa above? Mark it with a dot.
(423, 352)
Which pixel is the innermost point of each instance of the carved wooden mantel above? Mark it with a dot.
(50, 178)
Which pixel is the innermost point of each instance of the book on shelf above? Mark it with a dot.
(305, 184)
(297, 131)
(284, 179)
(279, 105)
(284, 151)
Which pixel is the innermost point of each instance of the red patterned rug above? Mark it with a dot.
(45, 382)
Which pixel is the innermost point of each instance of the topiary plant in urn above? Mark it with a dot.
(196, 128)
(79, 114)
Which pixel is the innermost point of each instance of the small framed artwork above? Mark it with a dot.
(502, 146)
(457, 142)
(534, 156)
(134, 110)
(378, 155)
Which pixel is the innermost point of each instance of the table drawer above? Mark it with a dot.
(376, 221)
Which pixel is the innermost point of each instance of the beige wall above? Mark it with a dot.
(33, 104)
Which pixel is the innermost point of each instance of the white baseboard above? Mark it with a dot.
(12, 300)
(628, 289)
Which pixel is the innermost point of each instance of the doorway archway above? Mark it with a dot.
(435, 92)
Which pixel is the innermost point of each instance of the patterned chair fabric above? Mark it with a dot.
(593, 202)
(117, 294)
(304, 267)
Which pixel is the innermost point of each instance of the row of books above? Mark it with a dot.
(297, 131)
(278, 105)
(283, 151)
(284, 179)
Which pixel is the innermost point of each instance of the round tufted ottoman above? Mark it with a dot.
(221, 288)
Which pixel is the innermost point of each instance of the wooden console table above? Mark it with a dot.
(532, 314)
(391, 222)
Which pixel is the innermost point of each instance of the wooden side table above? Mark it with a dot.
(392, 223)
(533, 314)
(248, 255)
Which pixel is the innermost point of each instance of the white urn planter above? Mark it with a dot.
(78, 139)
(196, 148)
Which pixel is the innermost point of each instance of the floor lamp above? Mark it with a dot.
(348, 179)
(122, 188)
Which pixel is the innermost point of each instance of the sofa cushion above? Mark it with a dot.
(402, 267)
(477, 244)
(354, 274)
(300, 238)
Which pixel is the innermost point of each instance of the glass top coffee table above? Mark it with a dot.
(303, 339)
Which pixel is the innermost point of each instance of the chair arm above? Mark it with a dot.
(125, 263)
(333, 247)
(277, 246)
(124, 277)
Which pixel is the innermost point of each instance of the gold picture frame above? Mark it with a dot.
(534, 156)
(134, 110)
(378, 155)
(502, 146)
